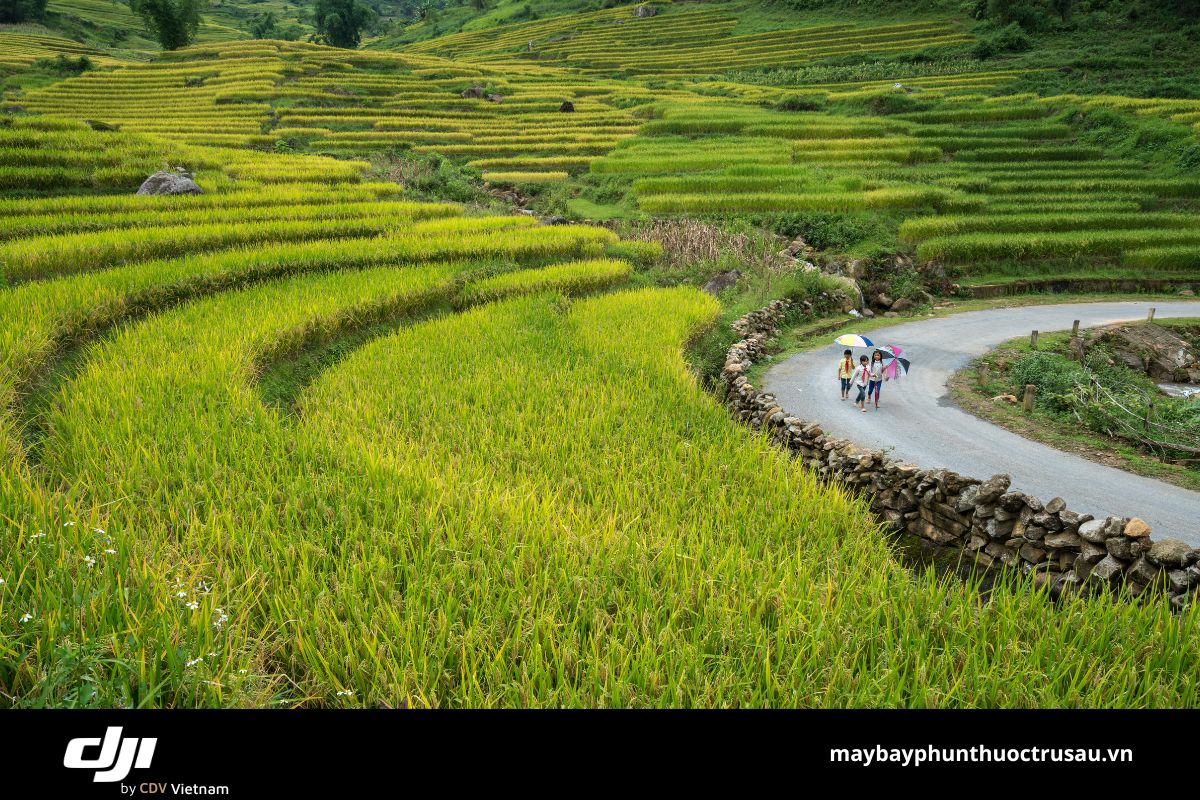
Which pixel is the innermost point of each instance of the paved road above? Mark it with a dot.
(924, 427)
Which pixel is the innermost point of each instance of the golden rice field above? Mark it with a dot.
(22, 49)
(491, 478)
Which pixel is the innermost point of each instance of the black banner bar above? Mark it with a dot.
(169, 754)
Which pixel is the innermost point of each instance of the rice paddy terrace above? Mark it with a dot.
(489, 477)
(999, 188)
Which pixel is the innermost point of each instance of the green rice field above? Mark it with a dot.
(494, 477)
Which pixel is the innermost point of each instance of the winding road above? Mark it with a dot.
(922, 425)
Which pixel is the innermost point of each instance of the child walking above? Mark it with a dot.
(876, 376)
(846, 373)
(862, 379)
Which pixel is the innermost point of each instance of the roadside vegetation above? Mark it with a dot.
(1094, 396)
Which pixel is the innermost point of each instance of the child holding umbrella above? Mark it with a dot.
(846, 373)
(877, 377)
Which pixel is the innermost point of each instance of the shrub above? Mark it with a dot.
(1010, 39)
(61, 65)
(800, 102)
(1054, 375)
(822, 230)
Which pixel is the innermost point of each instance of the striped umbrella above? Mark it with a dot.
(853, 340)
(893, 365)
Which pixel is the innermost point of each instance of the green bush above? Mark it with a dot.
(800, 102)
(826, 231)
(1054, 375)
(61, 65)
(1010, 39)
(892, 101)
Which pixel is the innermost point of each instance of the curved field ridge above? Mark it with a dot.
(922, 426)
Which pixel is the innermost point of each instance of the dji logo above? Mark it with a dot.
(116, 755)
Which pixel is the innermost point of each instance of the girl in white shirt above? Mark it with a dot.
(862, 379)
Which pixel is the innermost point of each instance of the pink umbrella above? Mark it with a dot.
(893, 365)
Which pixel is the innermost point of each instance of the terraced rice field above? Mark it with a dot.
(684, 39)
(22, 49)
(256, 94)
(1012, 192)
(492, 479)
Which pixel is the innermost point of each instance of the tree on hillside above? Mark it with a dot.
(22, 10)
(173, 22)
(340, 22)
(264, 26)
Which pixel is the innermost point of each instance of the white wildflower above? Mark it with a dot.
(181, 594)
(110, 551)
(91, 562)
(27, 618)
(194, 661)
(345, 692)
(99, 531)
(193, 605)
(68, 524)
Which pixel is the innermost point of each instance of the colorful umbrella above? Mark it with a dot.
(893, 365)
(853, 340)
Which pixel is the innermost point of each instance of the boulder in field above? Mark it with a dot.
(722, 281)
(164, 183)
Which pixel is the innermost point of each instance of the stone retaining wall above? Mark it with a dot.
(988, 520)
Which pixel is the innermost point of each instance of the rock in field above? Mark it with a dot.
(722, 281)
(163, 183)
